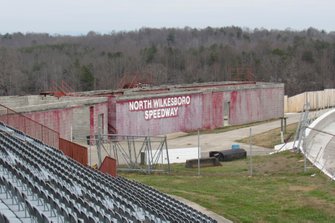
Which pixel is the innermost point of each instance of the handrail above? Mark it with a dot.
(29, 126)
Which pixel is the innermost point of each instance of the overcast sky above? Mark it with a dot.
(77, 17)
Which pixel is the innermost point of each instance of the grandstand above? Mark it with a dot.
(38, 183)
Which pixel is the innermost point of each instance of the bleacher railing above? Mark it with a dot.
(74, 150)
(29, 126)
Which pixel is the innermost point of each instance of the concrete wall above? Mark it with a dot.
(59, 120)
(191, 108)
(73, 117)
(135, 122)
(317, 100)
(85, 121)
(205, 110)
(73, 123)
(112, 114)
(81, 123)
(256, 105)
(95, 111)
(28, 100)
(39, 103)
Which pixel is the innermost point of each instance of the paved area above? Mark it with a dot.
(224, 140)
(216, 141)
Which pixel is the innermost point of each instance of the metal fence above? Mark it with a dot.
(132, 153)
(29, 126)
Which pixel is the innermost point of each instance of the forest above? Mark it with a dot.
(34, 62)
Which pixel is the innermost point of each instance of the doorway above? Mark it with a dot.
(226, 113)
(101, 124)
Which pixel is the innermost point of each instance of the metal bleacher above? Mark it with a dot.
(39, 183)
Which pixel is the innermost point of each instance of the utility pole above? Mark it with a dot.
(250, 153)
(199, 153)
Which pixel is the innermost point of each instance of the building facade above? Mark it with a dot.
(153, 110)
(166, 109)
(74, 118)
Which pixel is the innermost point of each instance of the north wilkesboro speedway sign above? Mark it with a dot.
(157, 108)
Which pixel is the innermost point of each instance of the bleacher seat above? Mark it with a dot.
(40, 184)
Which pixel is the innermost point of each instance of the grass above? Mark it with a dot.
(271, 138)
(278, 191)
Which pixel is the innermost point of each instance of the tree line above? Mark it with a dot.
(33, 62)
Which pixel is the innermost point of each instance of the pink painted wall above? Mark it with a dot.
(95, 111)
(256, 105)
(134, 122)
(63, 121)
(217, 109)
(59, 120)
(112, 115)
(205, 111)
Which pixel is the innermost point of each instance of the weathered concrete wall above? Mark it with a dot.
(256, 105)
(85, 121)
(28, 100)
(81, 123)
(141, 122)
(39, 103)
(70, 116)
(112, 115)
(59, 120)
(99, 110)
(317, 100)
(212, 109)
(156, 111)
(73, 123)
(205, 110)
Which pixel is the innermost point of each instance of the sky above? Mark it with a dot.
(78, 17)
